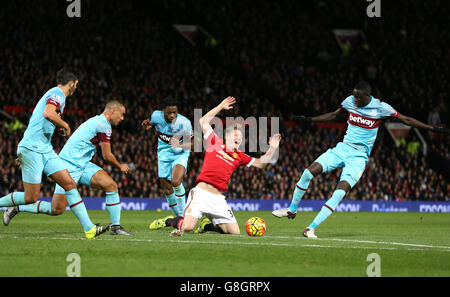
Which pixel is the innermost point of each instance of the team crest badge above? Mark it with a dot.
(226, 156)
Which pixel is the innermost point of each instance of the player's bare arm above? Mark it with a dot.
(205, 121)
(418, 124)
(111, 159)
(51, 115)
(327, 117)
(274, 143)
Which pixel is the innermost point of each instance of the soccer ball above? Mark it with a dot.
(255, 226)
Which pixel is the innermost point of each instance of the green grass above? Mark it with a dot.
(409, 244)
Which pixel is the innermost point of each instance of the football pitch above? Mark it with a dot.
(408, 244)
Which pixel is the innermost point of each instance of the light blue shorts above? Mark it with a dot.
(34, 164)
(79, 175)
(343, 155)
(165, 167)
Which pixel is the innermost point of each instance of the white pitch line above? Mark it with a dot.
(174, 240)
(370, 242)
(388, 242)
(446, 248)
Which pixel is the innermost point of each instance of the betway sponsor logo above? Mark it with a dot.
(164, 137)
(362, 121)
(434, 208)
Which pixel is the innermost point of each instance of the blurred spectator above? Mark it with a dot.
(433, 117)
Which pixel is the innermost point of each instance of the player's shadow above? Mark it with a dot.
(341, 235)
(43, 234)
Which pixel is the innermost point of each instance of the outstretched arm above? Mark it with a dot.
(206, 119)
(327, 117)
(414, 123)
(274, 143)
(111, 159)
(418, 124)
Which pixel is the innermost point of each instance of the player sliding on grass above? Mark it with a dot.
(76, 156)
(365, 114)
(36, 154)
(221, 160)
(174, 147)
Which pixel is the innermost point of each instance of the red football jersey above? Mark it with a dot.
(220, 163)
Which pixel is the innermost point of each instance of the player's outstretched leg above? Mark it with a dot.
(15, 199)
(38, 207)
(327, 209)
(77, 206)
(9, 214)
(55, 208)
(300, 189)
(99, 178)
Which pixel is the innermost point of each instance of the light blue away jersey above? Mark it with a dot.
(181, 128)
(82, 145)
(363, 122)
(37, 137)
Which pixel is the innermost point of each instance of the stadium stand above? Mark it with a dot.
(275, 63)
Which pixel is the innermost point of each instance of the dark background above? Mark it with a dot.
(278, 58)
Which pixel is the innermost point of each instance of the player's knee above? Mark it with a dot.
(57, 210)
(234, 232)
(188, 227)
(111, 186)
(168, 191)
(175, 182)
(31, 197)
(230, 228)
(165, 185)
(344, 185)
(68, 185)
(315, 169)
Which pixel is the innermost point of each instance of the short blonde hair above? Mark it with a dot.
(232, 128)
(113, 104)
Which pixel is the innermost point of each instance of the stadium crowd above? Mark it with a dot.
(276, 59)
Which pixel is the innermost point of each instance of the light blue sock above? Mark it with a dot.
(300, 190)
(328, 208)
(78, 209)
(13, 199)
(113, 207)
(37, 207)
(180, 193)
(173, 203)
